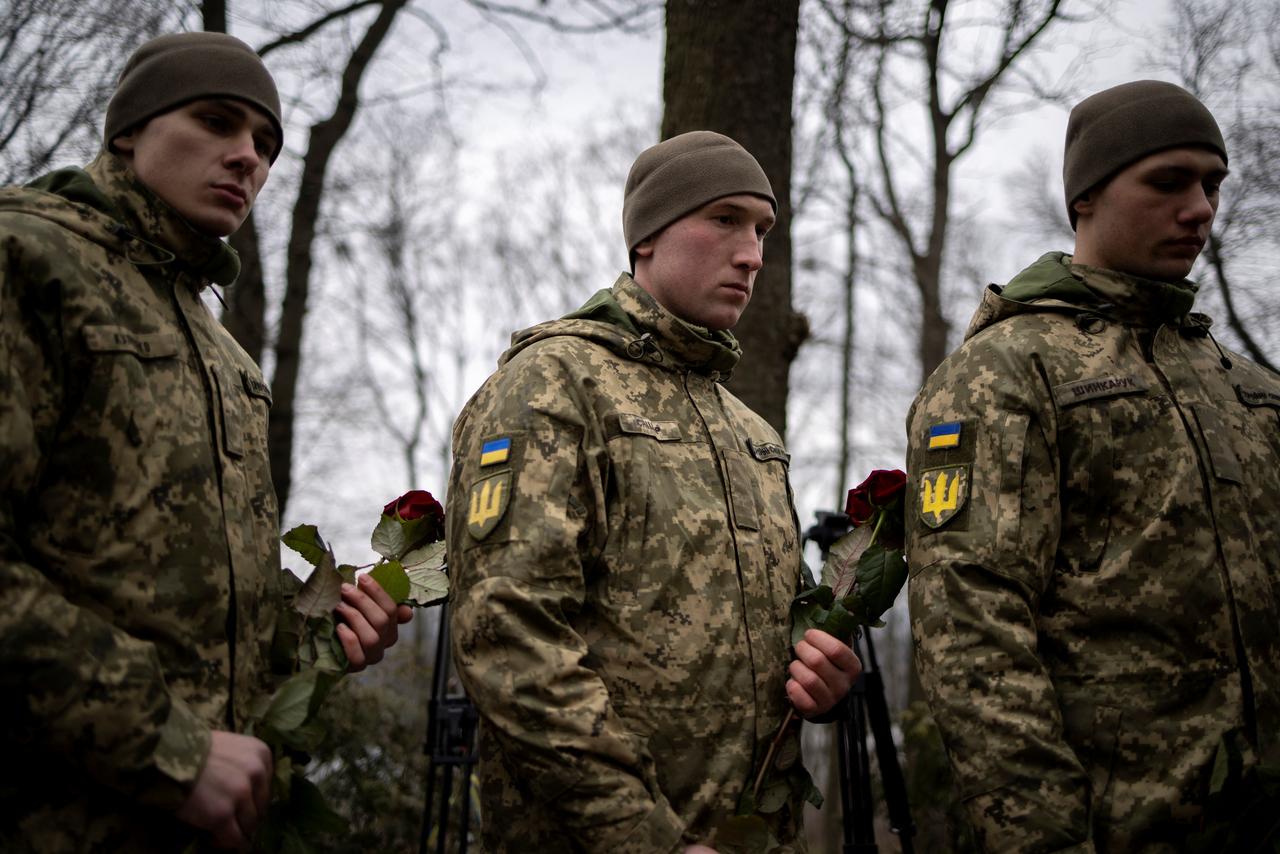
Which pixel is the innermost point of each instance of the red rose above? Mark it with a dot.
(414, 505)
(881, 488)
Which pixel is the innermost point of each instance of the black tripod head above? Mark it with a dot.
(831, 526)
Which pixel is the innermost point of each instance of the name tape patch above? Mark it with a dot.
(1079, 391)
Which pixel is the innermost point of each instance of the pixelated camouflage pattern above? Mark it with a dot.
(624, 628)
(138, 540)
(1105, 606)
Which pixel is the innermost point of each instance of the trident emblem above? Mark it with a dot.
(941, 495)
(489, 500)
(485, 504)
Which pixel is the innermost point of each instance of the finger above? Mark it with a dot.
(374, 591)
(800, 698)
(813, 684)
(816, 660)
(404, 614)
(246, 814)
(351, 646)
(376, 607)
(227, 835)
(261, 777)
(358, 622)
(839, 652)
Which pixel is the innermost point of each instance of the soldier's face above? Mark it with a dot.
(1153, 218)
(208, 159)
(702, 268)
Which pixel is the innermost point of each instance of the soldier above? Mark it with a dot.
(1095, 542)
(623, 545)
(138, 529)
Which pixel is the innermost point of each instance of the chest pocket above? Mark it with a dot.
(1106, 436)
(243, 401)
(131, 371)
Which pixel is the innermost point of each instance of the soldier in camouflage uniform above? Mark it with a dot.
(623, 545)
(1095, 535)
(138, 529)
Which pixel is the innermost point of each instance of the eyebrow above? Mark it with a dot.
(242, 112)
(770, 221)
(1187, 171)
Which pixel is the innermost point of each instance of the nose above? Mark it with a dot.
(244, 153)
(1199, 207)
(749, 252)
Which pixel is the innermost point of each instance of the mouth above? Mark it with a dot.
(233, 193)
(740, 287)
(1196, 243)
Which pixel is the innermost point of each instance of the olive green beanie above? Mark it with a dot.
(680, 175)
(1118, 126)
(171, 70)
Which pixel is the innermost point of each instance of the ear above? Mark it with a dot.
(125, 143)
(644, 249)
(1085, 204)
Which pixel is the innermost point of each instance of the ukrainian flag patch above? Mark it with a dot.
(495, 451)
(944, 435)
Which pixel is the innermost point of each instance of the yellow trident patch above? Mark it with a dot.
(942, 494)
(489, 500)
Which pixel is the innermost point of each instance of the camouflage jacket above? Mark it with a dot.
(624, 552)
(138, 546)
(1094, 541)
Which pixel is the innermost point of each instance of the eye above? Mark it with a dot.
(215, 122)
(263, 146)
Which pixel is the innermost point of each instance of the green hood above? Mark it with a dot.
(108, 187)
(1054, 283)
(627, 320)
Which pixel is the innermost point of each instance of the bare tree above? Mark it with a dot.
(926, 54)
(59, 60)
(1221, 54)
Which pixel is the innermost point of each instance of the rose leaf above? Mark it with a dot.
(392, 578)
(388, 538)
(305, 540)
(322, 590)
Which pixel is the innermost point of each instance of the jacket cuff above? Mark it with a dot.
(660, 830)
(178, 759)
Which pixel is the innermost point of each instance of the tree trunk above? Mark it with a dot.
(730, 68)
(325, 136)
(245, 315)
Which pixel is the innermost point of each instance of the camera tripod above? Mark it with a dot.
(865, 708)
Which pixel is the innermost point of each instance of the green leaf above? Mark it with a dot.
(388, 538)
(348, 573)
(839, 571)
(430, 556)
(392, 578)
(322, 591)
(427, 585)
(305, 540)
(809, 610)
(311, 811)
(840, 622)
(1221, 769)
(743, 834)
(881, 574)
(286, 640)
(291, 703)
(773, 796)
(295, 701)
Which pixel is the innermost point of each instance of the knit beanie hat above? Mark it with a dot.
(1117, 126)
(172, 70)
(682, 174)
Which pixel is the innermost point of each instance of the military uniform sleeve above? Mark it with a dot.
(75, 688)
(526, 510)
(982, 528)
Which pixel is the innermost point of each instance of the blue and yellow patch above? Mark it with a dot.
(495, 451)
(944, 435)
